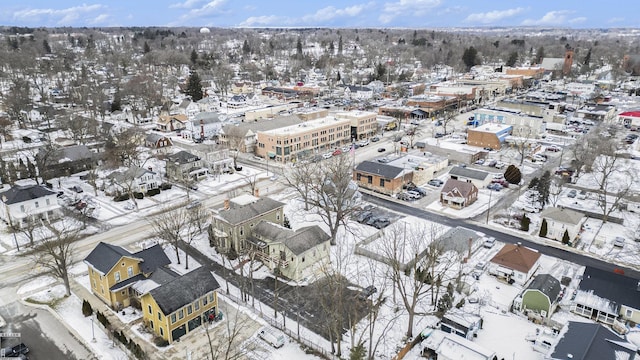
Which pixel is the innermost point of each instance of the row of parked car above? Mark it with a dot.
(412, 193)
(368, 217)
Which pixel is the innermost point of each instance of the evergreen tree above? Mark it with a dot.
(513, 58)
(146, 48)
(513, 175)
(525, 222)
(470, 57)
(340, 45)
(358, 352)
(299, 49)
(565, 237)
(194, 86)
(246, 49)
(46, 47)
(331, 48)
(539, 55)
(194, 56)
(543, 228)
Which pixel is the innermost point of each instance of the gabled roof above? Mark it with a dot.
(380, 169)
(71, 153)
(104, 256)
(588, 341)
(457, 186)
(547, 285)
(516, 257)
(182, 157)
(239, 213)
(19, 193)
(457, 239)
(153, 257)
(562, 215)
(619, 288)
(297, 241)
(184, 290)
(468, 173)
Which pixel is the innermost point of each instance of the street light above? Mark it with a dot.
(489, 205)
(93, 334)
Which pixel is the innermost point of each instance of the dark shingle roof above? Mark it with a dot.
(104, 256)
(587, 341)
(547, 285)
(297, 241)
(468, 173)
(182, 157)
(457, 239)
(383, 170)
(18, 193)
(183, 290)
(237, 214)
(153, 258)
(621, 289)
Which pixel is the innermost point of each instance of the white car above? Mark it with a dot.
(272, 336)
(364, 142)
(618, 242)
(327, 155)
(529, 209)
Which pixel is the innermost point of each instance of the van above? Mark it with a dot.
(272, 336)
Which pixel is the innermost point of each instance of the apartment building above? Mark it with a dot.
(299, 141)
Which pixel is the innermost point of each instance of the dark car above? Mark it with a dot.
(382, 149)
(366, 292)
(381, 223)
(435, 182)
(363, 216)
(18, 351)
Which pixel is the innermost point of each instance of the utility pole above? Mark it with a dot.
(489, 205)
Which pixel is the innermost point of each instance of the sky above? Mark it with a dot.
(325, 13)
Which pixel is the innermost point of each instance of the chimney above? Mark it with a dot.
(227, 204)
(256, 192)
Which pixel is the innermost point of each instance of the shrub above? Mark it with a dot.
(153, 192)
(87, 310)
(565, 237)
(165, 186)
(524, 223)
(138, 195)
(460, 304)
(160, 342)
(121, 197)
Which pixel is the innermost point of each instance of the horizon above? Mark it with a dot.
(348, 14)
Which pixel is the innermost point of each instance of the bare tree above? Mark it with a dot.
(168, 226)
(79, 128)
(227, 342)
(522, 142)
(123, 148)
(56, 249)
(301, 177)
(448, 117)
(419, 265)
(613, 178)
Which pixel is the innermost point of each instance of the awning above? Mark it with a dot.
(271, 155)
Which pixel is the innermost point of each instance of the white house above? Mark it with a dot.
(560, 220)
(358, 92)
(453, 347)
(21, 203)
(135, 178)
(515, 263)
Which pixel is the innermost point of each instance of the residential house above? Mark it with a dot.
(515, 263)
(380, 177)
(238, 101)
(179, 306)
(459, 323)
(559, 220)
(358, 92)
(294, 253)
(202, 126)
(605, 296)
(588, 341)
(209, 103)
(157, 141)
(439, 345)
(168, 123)
(241, 87)
(541, 296)
(135, 179)
(184, 165)
(113, 270)
(66, 161)
(478, 178)
(22, 204)
(458, 194)
(185, 107)
(233, 224)
(461, 240)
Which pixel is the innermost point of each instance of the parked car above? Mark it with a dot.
(489, 242)
(572, 193)
(529, 209)
(499, 165)
(76, 188)
(415, 194)
(193, 204)
(618, 242)
(479, 162)
(480, 266)
(405, 197)
(553, 148)
(336, 152)
(382, 149)
(381, 223)
(272, 336)
(17, 351)
(375, 138)
(435, 182)
(363, 216)
(582, 195)
(364, 142)
(486, 148)
(327, 156)
(492, 163)
(419, 190)
(366, 292)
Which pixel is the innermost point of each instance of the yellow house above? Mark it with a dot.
(113, 270)
(181, 305)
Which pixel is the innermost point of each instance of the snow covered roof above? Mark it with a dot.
(451, 346)
(516, 257)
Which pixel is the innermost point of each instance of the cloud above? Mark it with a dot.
(413, 7)
(263, 21)
(213, 7)
(59, 16)
(615, 20)
(331, 12)
(100, 19)
(551, 18)
(493, 16)
(187, 4)
(578, 20)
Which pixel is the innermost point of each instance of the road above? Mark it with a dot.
(558, 252)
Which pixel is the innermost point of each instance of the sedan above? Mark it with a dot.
(327, 155)
(382, 150)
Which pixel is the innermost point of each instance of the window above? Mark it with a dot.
(94, 284)
(189, 310)
(130, 271)
(159, 316)
(173, 318)
(102, 289)
(241, 231)
(210, 297)
(161, 332)
(181, 314)
(37, 204)
(628, 313)
(303, 259)
(122, 292)
(22, 208)
(116, 276)
(382, 182)
(150, 309)
(48, 202)
(205, 301)
(197, 305)
(151, 324)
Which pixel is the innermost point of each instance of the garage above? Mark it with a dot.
(178, 332)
